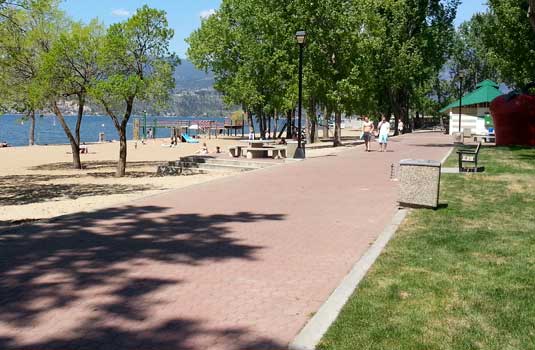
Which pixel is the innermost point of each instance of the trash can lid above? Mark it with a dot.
(420, 162)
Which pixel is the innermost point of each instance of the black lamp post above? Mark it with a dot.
(300, 36)
(461, 76)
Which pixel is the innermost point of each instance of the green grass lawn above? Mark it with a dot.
(462, 277)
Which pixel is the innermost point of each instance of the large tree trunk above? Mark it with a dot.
(276, 126)
(75, 145)
(326, 120)
(406, 110)
(417, 121)
(337, 129)
(407, 120)
(262, 121)
(260, 124)
(531, 13)
(312, 120)
(440, 101)
(250, 123)
(289, 125)
(269, 126)
(399, 103)
(31, 115)
(121, 164)
(81, 106)
(315, 128)
(312, 132)
(396, 125)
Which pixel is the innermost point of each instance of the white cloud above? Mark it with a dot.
(207, 13)
(120, 13)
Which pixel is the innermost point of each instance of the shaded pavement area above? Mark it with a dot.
(237, 263)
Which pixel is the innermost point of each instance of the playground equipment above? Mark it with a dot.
(188, 139)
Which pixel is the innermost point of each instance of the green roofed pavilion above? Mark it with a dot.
(475, 106)
(485, 92)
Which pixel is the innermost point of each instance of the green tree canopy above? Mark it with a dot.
(70, 68)
(137, 65)
(361, 56)
(24, 38)
(510, 39)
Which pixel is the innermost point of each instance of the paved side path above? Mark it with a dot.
(239, 263)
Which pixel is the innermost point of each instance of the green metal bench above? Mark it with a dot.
(469, 156)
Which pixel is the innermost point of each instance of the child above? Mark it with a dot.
(203, 150)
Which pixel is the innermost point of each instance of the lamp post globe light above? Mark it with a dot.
(300, 36)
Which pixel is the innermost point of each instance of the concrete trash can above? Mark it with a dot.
(419, 183)
(291, 148)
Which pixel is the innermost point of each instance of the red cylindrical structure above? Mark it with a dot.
(514, 120)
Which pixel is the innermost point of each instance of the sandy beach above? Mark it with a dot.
(39, 182)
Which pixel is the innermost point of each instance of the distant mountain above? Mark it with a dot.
(189, 78)
(194, 96)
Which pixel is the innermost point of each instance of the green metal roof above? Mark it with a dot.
(486, 91)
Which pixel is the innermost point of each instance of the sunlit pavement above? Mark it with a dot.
(238, 263)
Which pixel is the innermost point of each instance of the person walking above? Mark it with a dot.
(384, 132)
(400, 126)
(367, 130)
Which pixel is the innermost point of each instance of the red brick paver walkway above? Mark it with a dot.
(239, 263)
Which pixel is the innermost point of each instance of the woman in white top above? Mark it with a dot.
(384, 131)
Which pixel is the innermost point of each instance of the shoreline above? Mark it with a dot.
(83, 143)
(15, 131)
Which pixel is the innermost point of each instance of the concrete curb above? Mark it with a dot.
(317, 326)
(447, 156)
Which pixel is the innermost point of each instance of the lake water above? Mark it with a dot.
(48, 130)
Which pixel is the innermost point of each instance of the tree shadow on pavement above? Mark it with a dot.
(50, 268)
(176, 334)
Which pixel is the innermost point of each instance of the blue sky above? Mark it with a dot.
(184, 15)
(468, 8)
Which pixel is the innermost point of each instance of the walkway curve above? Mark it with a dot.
(238, 263)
